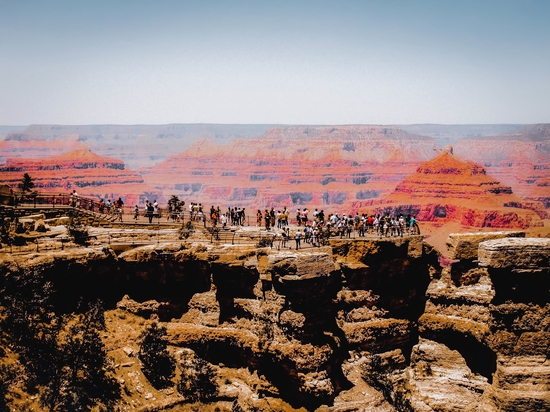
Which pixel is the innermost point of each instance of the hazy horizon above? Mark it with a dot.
(285, 63)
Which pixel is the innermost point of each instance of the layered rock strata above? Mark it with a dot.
(520, 159)
(373, 325)
(450, 188)
(493, 308)
(294, 166)
(137, 145)
(81, 170)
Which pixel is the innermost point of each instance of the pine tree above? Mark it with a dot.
(157, 363)
(26, 184)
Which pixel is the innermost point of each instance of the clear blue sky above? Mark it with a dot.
(293, 62)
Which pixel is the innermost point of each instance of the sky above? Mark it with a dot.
(276, 62)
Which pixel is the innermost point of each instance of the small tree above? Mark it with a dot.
(82, 380)
(158, 364)
(26, 184)
(175, 206)
(197, 381)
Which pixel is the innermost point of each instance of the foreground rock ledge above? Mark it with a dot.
(358, 325)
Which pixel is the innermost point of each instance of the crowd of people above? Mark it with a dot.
(313, 228)
(383, 225)
(115, 207)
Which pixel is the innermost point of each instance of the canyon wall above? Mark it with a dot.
(520, 160)
(314, 166)
(136, 145)
(377, 325)
(339, 169)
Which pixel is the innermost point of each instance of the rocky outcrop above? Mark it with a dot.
(449, 188)
(495, 314)
(292, 316)
(373, 324)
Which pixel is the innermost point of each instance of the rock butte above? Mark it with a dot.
(374, 325)
(448, 188)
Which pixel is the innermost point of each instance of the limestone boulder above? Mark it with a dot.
(521, 383)
(58, 221)
(144, 309)
(514, 253)
(440, 380)
(465, 245)
(290, 267)
(69, 256)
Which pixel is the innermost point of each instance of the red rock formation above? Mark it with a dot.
(450, 188)
(136, 145)
(338, 168)
(317, 166)
(86, 172)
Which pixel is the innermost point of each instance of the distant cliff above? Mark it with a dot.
(323, 166)
(81, 170)
(136, 145)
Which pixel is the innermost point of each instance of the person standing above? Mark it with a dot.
(267, 219)
(155, 209)
(150, 212)
(297, 238)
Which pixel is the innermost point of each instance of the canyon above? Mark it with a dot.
(341, 169)
(313, 166)
(357, 325)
